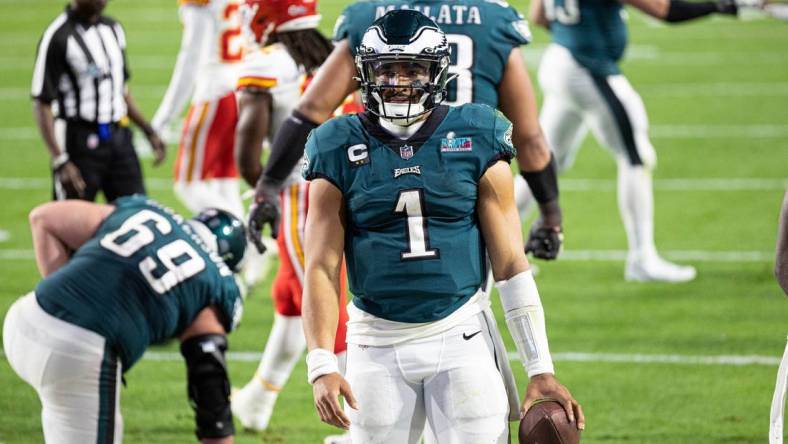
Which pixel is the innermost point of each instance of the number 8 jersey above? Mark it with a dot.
(140, 280)
(413, 246)
(481, 35)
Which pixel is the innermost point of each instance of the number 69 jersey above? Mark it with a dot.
(140, 280)
(413, 247)
(481, 34)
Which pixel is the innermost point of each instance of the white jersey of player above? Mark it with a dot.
(211, 49)
(274, 69)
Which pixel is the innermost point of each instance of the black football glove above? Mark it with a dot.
(729, 7)
(264, 210)
(544, 242)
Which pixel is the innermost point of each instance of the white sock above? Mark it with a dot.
(284, 348)
(636, 204)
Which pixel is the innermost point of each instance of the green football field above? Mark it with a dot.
(650, 363)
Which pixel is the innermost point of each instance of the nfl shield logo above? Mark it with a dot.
(406, 152)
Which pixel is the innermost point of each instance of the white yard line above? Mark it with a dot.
(626, 358)
(660, 131)
(679, 255)
(569, 185)
(566, 255)
(681, 90)
(138, 91)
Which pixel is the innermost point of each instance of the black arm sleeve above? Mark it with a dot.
(544, 183)
(288, 147)
(681, 11)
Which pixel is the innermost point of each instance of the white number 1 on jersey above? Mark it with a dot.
(409, 203)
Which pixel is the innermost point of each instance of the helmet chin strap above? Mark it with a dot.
(403, 132)
(399, 113)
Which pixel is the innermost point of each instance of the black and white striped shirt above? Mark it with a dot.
(82, 67)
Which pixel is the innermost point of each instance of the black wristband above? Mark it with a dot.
(544, 183)
(681, 11)
(288, 147)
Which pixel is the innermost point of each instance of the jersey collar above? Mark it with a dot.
(370, 123)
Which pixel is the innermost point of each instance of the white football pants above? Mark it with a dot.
(576, 101)
(75, 375)
(449, 379)
(198, 195)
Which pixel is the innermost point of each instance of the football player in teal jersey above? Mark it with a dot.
(584, 88)
(485, 37)
(413, 193)
(117, 279)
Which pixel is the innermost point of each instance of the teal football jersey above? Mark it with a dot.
(413, 247)
(481, 35)
(140, 280)
(592, 30)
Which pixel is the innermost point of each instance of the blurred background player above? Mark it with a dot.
(117, 279)
(413, 192)
(82, 106)
(287, 49)
(485, 37)
(584, 88)
(781, 261)
(781, 273)
(206, 71)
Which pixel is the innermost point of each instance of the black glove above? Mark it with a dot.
(727, 7)
(544, 242)
(264, 210)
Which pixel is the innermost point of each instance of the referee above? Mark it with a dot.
(82, 106)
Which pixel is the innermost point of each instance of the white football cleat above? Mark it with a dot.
(252, 408)
(337, 439)
(658, 269)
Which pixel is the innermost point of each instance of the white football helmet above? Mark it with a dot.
(403, 63)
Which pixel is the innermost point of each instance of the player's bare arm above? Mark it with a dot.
(680, 10)
(61, 227)
(536, 14)
(781, 262)
(500, 222)
(254, 111)
(195, 20)
(331, 85)
(67, 173)
(158, 146)
(324, 244)
(517, 101)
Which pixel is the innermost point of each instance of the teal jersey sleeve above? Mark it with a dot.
(511, 28)
(494, 134)
(503, 148)
(353, 22)
(330, 151)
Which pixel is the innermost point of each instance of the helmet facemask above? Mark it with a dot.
(403, 88)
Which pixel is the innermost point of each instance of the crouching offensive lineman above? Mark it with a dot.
(414, 193)
(117, 279)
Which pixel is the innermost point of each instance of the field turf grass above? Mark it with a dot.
(716, 92)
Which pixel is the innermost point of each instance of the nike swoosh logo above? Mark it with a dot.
(467, 337)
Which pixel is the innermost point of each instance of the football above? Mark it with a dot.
(546, 423)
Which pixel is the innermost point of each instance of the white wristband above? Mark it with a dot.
(320, 362)
(59, 160)
(525, 319)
